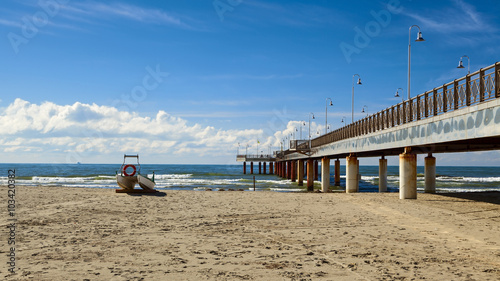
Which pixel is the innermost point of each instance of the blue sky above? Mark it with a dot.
(186, 81)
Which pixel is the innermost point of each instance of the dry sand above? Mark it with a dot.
(96, 234)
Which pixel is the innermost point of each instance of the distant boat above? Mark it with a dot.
(130, 175)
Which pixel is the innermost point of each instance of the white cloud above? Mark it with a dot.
(126, 11)
(89, 129)
(461, 17)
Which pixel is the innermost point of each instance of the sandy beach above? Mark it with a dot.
(96, 234)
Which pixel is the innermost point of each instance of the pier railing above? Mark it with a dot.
(474, 88)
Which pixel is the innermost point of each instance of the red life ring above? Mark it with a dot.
(125, 170)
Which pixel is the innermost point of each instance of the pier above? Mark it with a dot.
(260, 159)
(459, 116)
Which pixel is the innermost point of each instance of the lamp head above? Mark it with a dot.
(331, 103)
(313, 116)
(359, 81)
(363, 111)
(396, 95)
(460, 64)
(419, 37)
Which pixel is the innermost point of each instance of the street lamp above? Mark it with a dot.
(359, 83)
(310, 114)
(460, 65)
(419, 39)
(343, 119)
(363, 110)
(326, 113)
(302, 123)
(397, 93)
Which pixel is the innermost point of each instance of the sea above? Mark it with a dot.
(216, 177)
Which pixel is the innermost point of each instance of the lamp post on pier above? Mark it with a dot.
(326, 114)
(310, 114)
(359, 83)
(419, 39)
(460, 65)
(397, 93)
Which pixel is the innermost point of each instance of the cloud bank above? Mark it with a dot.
(79, 132)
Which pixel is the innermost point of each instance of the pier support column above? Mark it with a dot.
(430, 174)
(251, 168)
(260, 168)
(293, 170)
(407, 175)
(283, 169)
(352, 179)
(310, 175)
(337, 172)
(325, 174)
(300, 172)
(382, 175)
(264, 168)
(271, 168)
(244, 168)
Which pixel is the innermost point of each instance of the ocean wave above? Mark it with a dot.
(171, 176)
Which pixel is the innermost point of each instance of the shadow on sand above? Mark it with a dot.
(156, 194)
(492, 197)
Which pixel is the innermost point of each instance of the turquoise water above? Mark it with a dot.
(201, 177)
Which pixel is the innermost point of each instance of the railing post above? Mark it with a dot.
(467, 90)
(403, 113)
(455, 94)
(445, 98)
(418, 107)
(434, 102)
(410, 110)
(481, 85)
(497, 80)
(426, 104)
(378, 121)
(392, 116)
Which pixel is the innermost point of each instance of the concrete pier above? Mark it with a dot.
(293, 171)
(288, 169)
(310, 175)
(407, 175)
(337, 172)
(430, 174)
(352, 178)
(271, 168)
(382, 175)
(260, 168)
(244, 168)
(300, 172)
(325, 174)
(264, 168)
(251, 168)
(283, 169)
